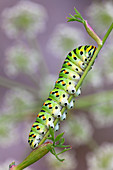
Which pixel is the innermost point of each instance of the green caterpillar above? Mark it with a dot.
(71, 72)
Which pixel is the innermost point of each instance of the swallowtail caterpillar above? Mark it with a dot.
(72, 69)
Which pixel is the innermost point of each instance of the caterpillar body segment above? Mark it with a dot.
(67, 73)
(66, 84)
(70, 65)
(53, 108)
(34, 139)
(72, 69)
(39, 128)
(45, 118)
(60, 96)
(75, 59)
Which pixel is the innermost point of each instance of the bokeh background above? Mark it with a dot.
(34, 41)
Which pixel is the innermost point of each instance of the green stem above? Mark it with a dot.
(107, 33)
(91, 32)
(82, 78)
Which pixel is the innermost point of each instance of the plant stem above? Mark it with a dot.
(83, 76)
(107, 33)
(92, 33)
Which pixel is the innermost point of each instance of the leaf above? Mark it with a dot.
(76, 11)
(58, 137)
(62, 146)
(61, 160)
(64, 151)
(52, 150)
(72, 16)
(70, 19)
(51, 130)
(50, 138)
(62, 140)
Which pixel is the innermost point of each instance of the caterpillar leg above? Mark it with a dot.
(71, 104)
(57, 126)
(78, 92)
(63, 117)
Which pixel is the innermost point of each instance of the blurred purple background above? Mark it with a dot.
(57, 12)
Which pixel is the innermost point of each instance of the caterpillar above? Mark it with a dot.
(72, 69)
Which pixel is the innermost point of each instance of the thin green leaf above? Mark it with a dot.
(72, 16)
(50, 138)
(77, 16)
(58, 137)
(77, 12)
(51, 130)
(62, 140)
(61, 160)
(62, 146)
(71, 20)
(52, 150)
(64, 151)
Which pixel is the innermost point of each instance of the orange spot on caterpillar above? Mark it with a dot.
(38, 128)
(43, 117)
(57, 94)
(50, 105)
(63, 82)
(68, 64)
(65, 71)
